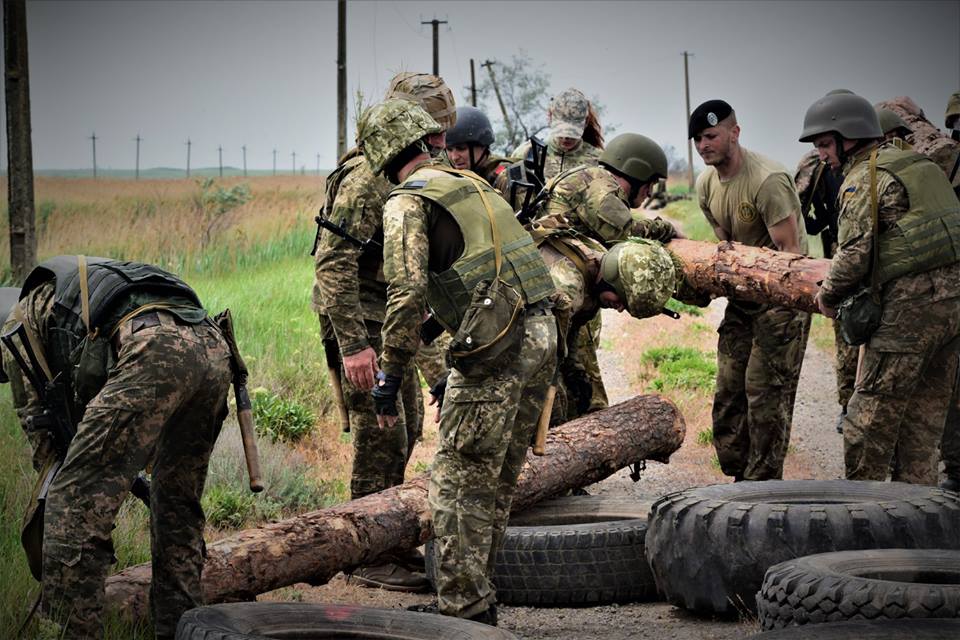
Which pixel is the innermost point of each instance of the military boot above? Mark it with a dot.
(390, 576)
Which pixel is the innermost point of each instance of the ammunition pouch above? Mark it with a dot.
(491, 332)
(859, 317)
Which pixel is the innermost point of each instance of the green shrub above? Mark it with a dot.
(279, 419)
(705, 437)
(682, 307)
(681, 367)
(228, 507)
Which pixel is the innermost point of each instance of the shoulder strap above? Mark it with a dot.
(85, 295)
(875, 215)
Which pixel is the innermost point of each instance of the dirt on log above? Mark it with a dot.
(749, 273)
(315, 546)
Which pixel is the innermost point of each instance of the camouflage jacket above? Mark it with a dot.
(590, 201)
(558, 160)
(349, 286)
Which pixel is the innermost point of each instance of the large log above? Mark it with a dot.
(749, 273)
(315, 546)
(926, 138)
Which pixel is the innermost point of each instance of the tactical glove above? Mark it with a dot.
(385, 393)
(438, 390)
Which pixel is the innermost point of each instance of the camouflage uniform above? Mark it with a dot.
(491, 169)
(818, 189)
(486, 421)
(162, 406)
(908, 367)
(760, 347)
(351, 292)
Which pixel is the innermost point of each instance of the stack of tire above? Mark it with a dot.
(870, 558)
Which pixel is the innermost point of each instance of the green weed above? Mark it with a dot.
(681, 367)
(705, 437)
(683, 308)
(691, 219)
(280, 419)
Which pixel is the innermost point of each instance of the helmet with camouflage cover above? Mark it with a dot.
(890, 121)
(386, 129)
(428, 91)
(8, 298)
(473, 127)
(642, 273)
(846, 114)
(636, 157)
(952, 118)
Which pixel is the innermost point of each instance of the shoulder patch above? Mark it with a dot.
(414, 184)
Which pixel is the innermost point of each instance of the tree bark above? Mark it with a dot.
(926, 137)
(314, 546)
(23, 234)
(759, 275)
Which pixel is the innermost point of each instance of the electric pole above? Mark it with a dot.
(188, 157)
(436, 43)
(341, 78)
(473, 84)
(496, 89)
(318, 164)
(686, 82)
(244, 147)
(274, 162)
(220, 156)
(23, 224)
(93, 139)
(294, 164)
(136, 174)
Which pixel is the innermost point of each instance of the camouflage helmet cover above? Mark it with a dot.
(642, 273)
(635, 156)
(428, 91)
(891, 121)
(386, 129)
(568, 114)
(952, 119)
(8, 297)
(847, 114)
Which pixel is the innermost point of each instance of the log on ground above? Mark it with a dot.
(754, 274)
(314, 546)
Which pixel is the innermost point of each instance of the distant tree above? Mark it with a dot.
(215, 206)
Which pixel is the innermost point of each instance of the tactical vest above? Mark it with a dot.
(449, 292)
(114, 289)
(928, 235)
(371, 258)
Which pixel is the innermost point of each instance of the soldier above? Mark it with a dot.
(351, 293)
(451, 242)
(143, 374)
(950, 447)
(899, 235)
(468, 145)
(893, 127)
(749, 198)
(595, 202)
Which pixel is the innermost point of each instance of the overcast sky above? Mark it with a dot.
(263, 74)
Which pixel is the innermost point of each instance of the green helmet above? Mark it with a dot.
(428, 91)
(635, 156)
(386, 129)
(953, 111)
(891, 121)
(847, 114)
(642, 273)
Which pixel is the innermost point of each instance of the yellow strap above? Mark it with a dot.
(150, 306)
(85, 296)
(571, 254)
(875, 214)
(34, 341)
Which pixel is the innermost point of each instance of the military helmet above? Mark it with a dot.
(473, 127)
(635, 156)
(386, 129)
(953, 111)
(891, 121)
(836, 92)
(642, 273)
(429, 91)
(847, 114)
(8, 298)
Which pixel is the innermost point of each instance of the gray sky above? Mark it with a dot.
(263, 74)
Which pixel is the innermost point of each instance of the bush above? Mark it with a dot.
(279, 419)
(231, 507)
(681, 367)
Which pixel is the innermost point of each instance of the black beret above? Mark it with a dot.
(707, 115)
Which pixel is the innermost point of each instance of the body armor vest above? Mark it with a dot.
(928, 235)
(449, 292)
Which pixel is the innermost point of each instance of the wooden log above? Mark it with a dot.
(749, 273)
(926, 138)
(314, 546)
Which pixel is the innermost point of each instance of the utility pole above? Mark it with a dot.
(244, 147)
(23, 224)
(436, 42)
(188, 157)
(473, 84)
(341, 78)
(274, 162)
(136, 174)
(686, 82)
(294, 164)
(93, 138)
(318, 164)
(496, 89)
(220, 156)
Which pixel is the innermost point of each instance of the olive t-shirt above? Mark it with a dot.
(745, 206)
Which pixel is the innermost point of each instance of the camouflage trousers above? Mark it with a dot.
(899, 405)
(380, 456)
(846, 365)
(164, 403)
(486, 426)
(759, 355)
(588, 341)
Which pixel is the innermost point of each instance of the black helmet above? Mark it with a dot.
(472, 127)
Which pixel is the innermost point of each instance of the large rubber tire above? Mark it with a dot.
(573, 551)
(883, 584)
(709, 547)
(866, 630)
(302, 621)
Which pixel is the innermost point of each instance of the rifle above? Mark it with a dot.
(340, 230)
